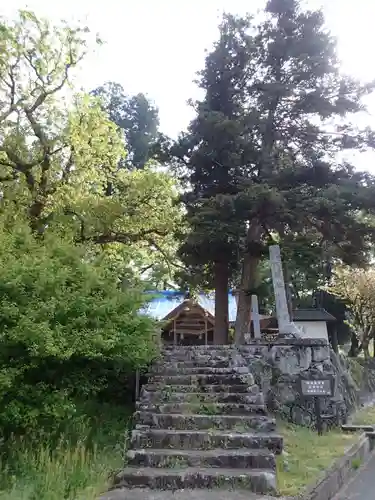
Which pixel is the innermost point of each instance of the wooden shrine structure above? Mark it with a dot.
(188, 324)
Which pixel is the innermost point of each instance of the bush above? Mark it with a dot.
(76, 466)
(66, 330)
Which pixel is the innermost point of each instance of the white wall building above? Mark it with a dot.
(313, 323)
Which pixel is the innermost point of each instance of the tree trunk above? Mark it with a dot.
(221, 278)
(334, 340)
(365, 347)
(288, 291)
(366, 339)
(249, 282)
(354, 348)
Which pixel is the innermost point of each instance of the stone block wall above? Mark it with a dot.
(278, 367)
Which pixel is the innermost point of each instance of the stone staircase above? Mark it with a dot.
(201, 422)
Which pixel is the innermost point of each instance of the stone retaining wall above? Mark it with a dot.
(278, 366)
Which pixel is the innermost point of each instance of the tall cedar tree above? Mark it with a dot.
(280, 172)
(298, 105)
(212, 155)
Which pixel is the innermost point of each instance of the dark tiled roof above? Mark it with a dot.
(305, 315)
(312, 315)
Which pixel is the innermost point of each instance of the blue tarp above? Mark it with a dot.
(164, 302)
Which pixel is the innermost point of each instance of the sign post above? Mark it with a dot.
(316, 389)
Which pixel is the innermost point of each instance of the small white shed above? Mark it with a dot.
(313, 323)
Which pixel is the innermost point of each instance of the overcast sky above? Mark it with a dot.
(156, 46)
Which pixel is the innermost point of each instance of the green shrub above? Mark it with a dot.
(67, 331)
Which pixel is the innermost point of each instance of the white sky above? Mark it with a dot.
(156, 46)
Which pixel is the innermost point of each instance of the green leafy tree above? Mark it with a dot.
(356, 288)
(65, 328)
(137, 118)
(135, 226)
(49, 154)
(56, 160)
(293, 117)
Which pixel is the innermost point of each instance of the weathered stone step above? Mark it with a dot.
(203, 408)
(177, 421)
(210, 363)
(198, 358)
(167, 389)
(255, 397)
(257, 481)
(199, 380)
(209, 354)
(205, 439)
(236, 459)
(199, 348)
(185, 494)
(196, 370)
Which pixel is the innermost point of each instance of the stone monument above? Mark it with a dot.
(255, 316)
(286, 326)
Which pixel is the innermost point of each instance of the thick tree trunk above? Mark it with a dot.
(249, 283)
(354, 348)
(221, 278)
(334, 339)
(288, 291)
(365, 347)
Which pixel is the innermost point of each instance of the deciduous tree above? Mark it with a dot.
(59, 151)
(137, 118)
(356, 288)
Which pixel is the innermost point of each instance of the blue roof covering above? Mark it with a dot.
(164, 302)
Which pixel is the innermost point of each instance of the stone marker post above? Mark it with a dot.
(286, 326)
(255, 316)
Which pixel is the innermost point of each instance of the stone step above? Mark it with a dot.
(236, 459)
(203, 408)
(177, 365)
(205, 439)
(196, 370)
(195, 422)
(185, 494)
(209, 355)
(257, 481)
(199, 348)
(199, 358)
(199, 380)
(255, 397)
(208, 388)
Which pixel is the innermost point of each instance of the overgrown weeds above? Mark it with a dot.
(76, 466)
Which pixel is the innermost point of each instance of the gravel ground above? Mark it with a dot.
(142, 494)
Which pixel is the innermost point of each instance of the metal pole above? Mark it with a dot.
(137, 383)
(318, 414)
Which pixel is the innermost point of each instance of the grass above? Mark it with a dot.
(307, 456)
(74, 468)
(364, 416)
